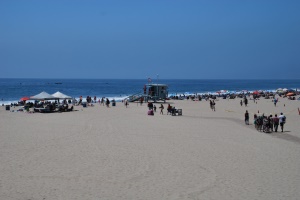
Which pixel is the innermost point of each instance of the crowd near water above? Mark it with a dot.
(12, 90)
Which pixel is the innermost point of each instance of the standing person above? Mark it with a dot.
(241, 102)
(126, 103)
(255, 120)
(246, 101)
(107, 102)
(169, 109)
(154, 108)
(247, 118)
(213, 105)
(282, 120)
(95, 99)
(161, 109)
(275, 102)
(275, 122)
(80, 100)
(271, 123)
(141, 100)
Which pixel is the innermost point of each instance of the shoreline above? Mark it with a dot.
(217, 94)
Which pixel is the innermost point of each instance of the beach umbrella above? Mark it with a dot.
(256, 92)
(24, 98)
(290, 94)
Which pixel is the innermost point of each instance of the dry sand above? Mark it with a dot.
(122, 153)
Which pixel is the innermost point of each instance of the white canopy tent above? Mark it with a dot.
(42, 96)
(59, 95)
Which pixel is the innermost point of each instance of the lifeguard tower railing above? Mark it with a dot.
(152, 92)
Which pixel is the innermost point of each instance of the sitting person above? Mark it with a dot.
(173, 111)
(150, 106)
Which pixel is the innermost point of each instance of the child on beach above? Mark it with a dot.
(213, 105)
(161, 109)
(126, 103)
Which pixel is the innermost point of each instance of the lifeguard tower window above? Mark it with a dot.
(158, 91)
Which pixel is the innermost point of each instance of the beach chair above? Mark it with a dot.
(176, 111)
(150, 112)
(31, 110)
(70, 109)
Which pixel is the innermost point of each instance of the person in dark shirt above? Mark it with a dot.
(247, 118)
(275, 122)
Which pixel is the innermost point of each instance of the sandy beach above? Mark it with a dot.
(122, 153)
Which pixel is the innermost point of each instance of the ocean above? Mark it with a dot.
(11, 90)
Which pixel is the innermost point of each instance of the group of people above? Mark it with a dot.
(152, 106)
(267, 123)
(245, 101)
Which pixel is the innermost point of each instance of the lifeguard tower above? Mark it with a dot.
(151, 92)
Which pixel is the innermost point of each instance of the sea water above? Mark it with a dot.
(11, 90)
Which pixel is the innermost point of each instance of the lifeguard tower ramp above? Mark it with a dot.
(152, 92)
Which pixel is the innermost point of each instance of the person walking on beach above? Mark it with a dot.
(107, 102)
(271, 123)
(246, 101)
(213, 105)
(210, 104)
(161, 109)
(275, 102)
(275, 122)
(255, 120)
(282, 120)
(247, 118)
(126, 103)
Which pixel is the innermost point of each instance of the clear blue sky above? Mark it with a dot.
(187, 39)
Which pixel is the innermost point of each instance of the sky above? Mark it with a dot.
(175, 39)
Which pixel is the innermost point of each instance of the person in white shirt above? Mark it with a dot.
(282, 120)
